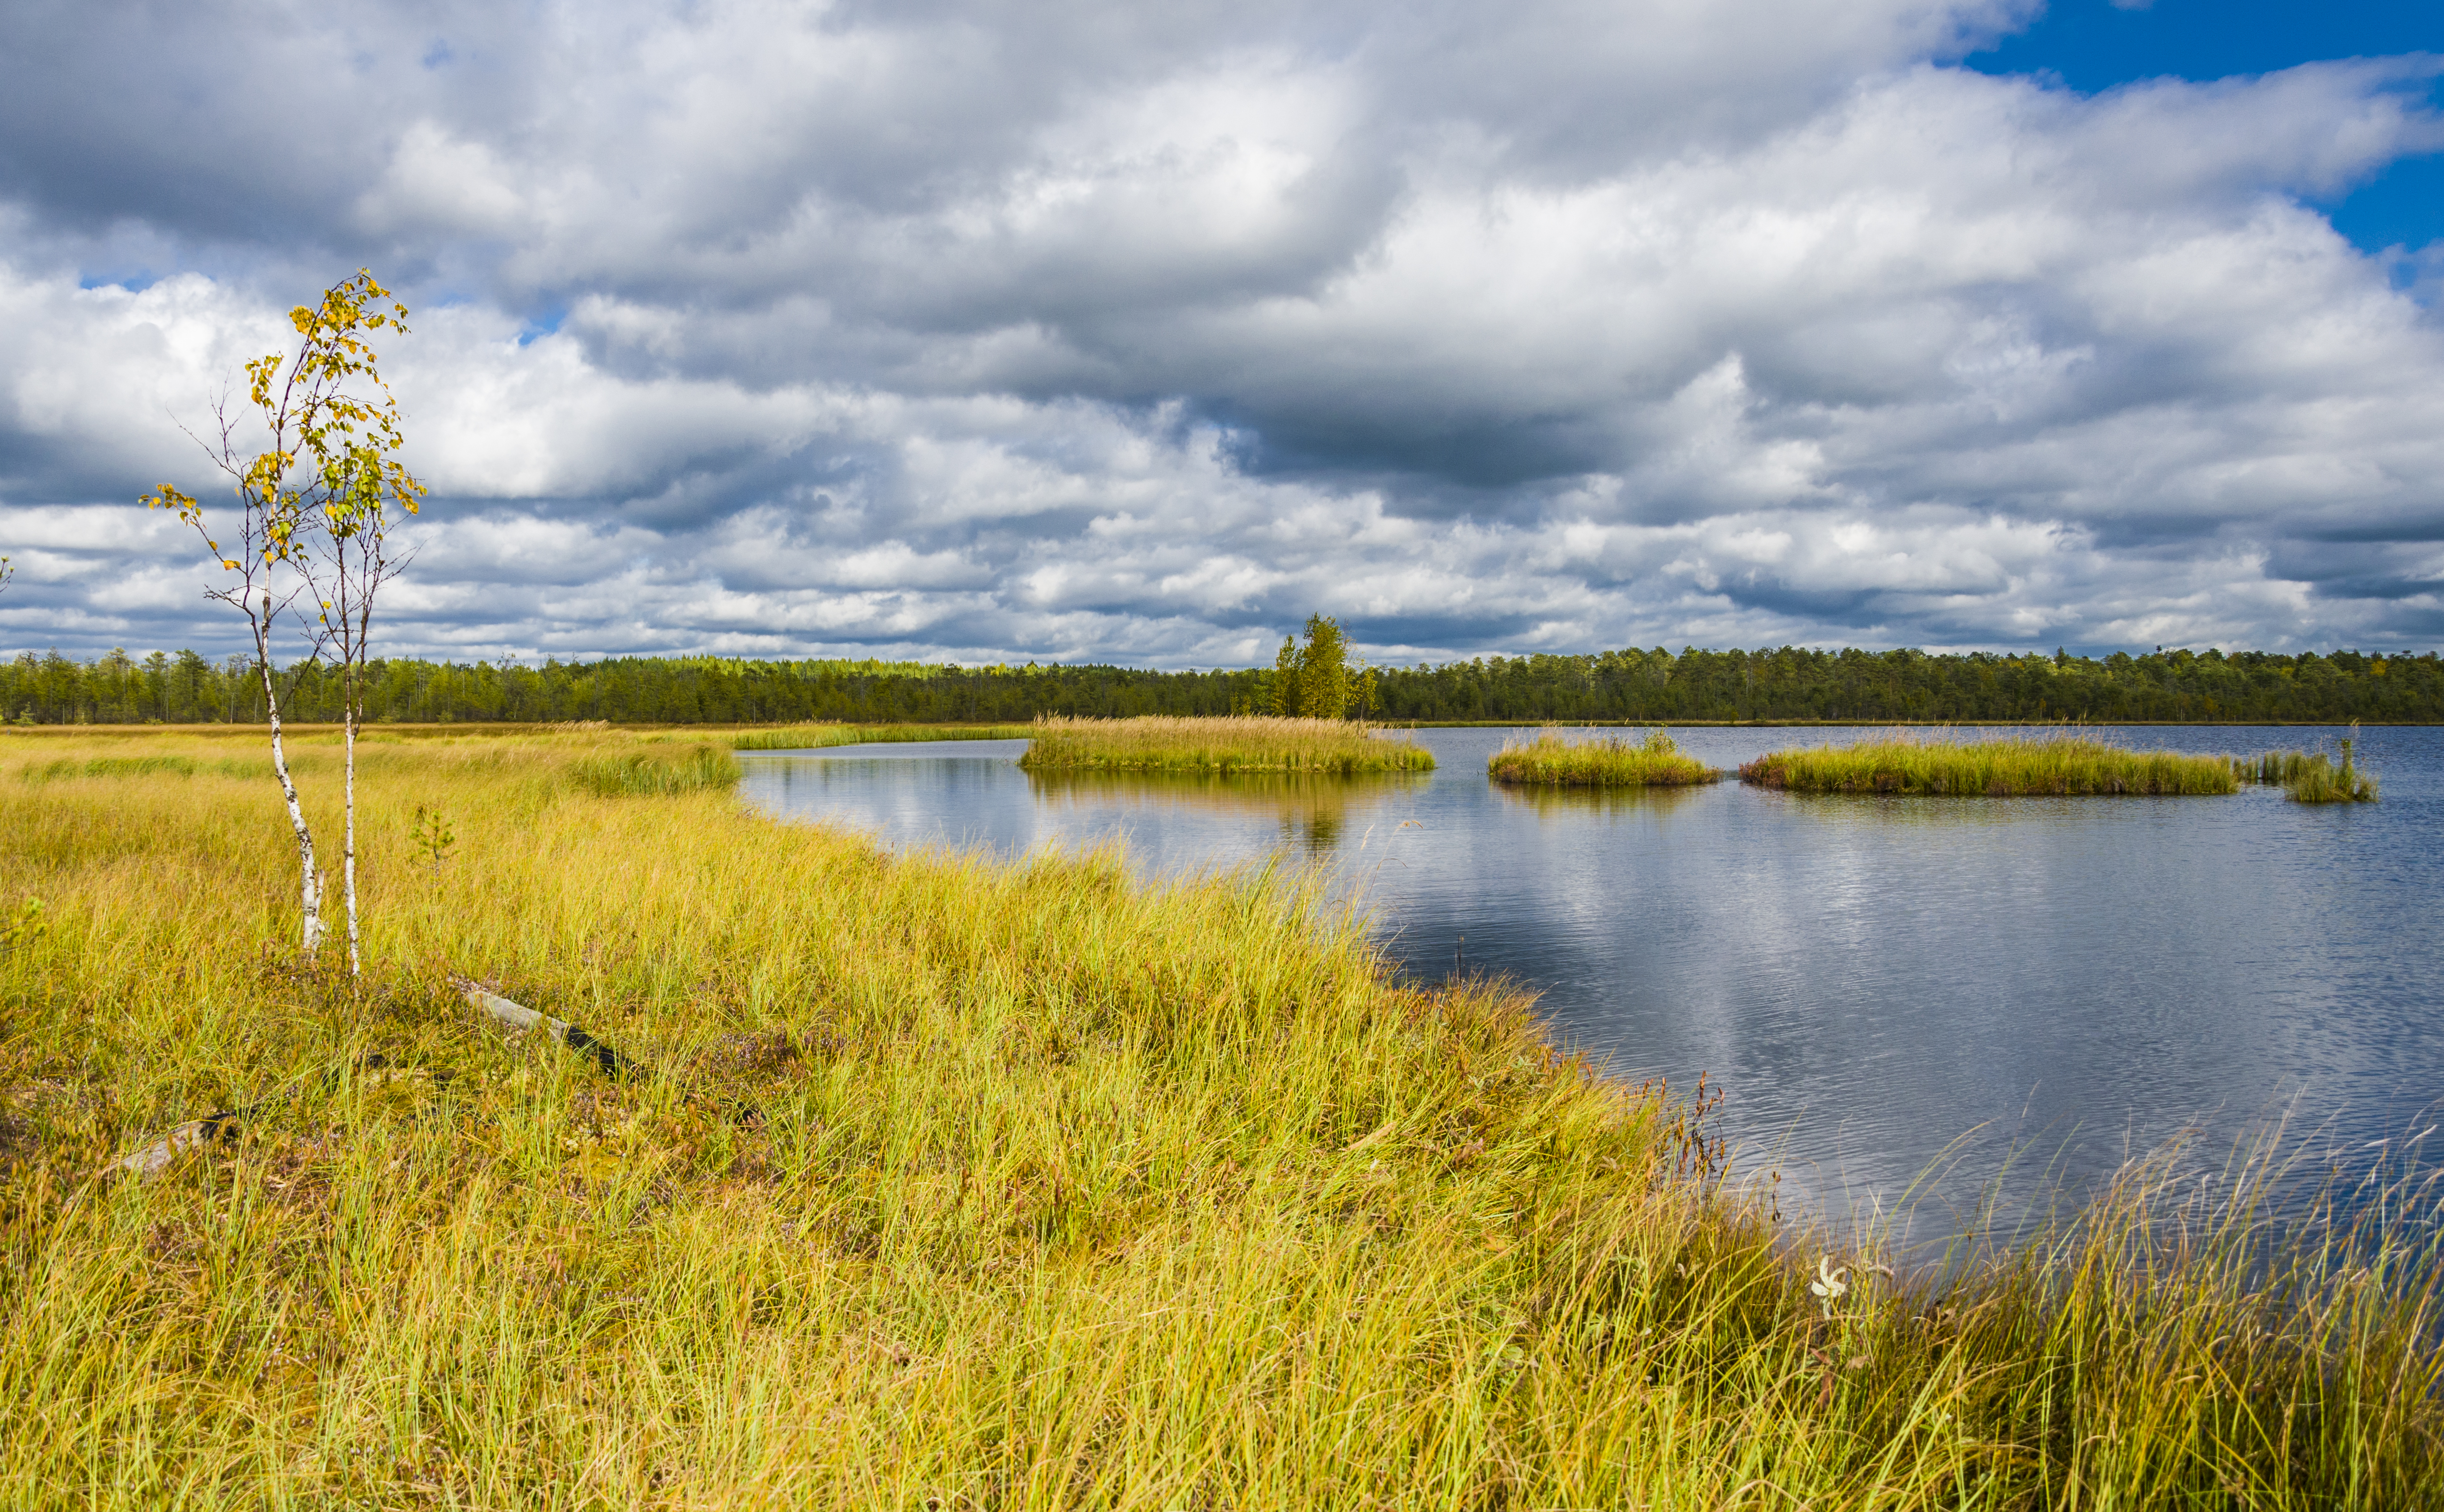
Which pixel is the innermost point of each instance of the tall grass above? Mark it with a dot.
(959, 1183)
(694, 770)
(811, 737)
(2020, 766)
(1241, 743)
(2311, 776)
(1605, 761)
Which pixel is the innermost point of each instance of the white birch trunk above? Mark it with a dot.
(348, 839)
(310, 889)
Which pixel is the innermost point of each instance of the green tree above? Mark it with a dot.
(1282, 691)
(1324, 669)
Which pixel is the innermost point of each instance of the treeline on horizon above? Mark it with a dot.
(1629, 685)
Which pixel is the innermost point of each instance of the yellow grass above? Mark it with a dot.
(955, 1184)
(2010, 767)
(1609, 761)
(1248, 742)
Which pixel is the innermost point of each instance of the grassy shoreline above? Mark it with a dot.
(2062, 765)
(959, 1184)
(1247, 743)
(1549, 761)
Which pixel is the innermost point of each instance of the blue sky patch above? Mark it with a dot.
(2094, 45)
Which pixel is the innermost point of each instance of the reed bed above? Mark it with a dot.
(1253, 743)
(2065, 765)
(960, 1184)
(2307, 777)
(1606, 761)
(812, 737)
(662, 772)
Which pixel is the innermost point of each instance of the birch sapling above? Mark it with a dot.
(314, 495)
(264, 550)
(347, 493)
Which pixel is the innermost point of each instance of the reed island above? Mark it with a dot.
(2057, 766)
(1243, 743)
(667, 1156)
(2010, 767)
(1607, 760)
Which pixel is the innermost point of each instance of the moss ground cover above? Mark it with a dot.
(952, 1184)
(1605, 761)
(1249, 742)
(2024, 767)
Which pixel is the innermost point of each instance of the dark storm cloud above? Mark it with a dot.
(1139, 332)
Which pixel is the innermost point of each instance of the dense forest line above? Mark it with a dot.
(1617, 685)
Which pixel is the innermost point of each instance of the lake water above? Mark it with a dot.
(1872, 981)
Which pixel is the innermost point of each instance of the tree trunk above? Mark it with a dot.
(348, 837)
(310, 889)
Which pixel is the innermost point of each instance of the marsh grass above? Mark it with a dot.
(1248, 742)
(812, 737)
(2311, 776)
(2010, 767)
(52, 772)
(697, 769)
(1608, 761)
(2319, 782)
(960, 1184)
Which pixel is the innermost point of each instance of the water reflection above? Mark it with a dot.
(1567, 804)
(1311, 814)
(1870, 977)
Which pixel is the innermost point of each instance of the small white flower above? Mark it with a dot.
(1829, 1283)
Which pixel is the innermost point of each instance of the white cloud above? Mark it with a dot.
(1140, 334)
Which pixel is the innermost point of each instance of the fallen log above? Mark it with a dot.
(520, 1019)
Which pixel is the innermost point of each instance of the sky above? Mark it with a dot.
(963, 330)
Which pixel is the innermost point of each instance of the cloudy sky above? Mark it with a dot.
(1128, 332)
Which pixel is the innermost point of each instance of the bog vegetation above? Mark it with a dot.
(941, 1181)
(2012, 768)
(2311, 776)
(1655, 760)
(1246, 742)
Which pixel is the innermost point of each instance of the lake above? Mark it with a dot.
(1882, 985)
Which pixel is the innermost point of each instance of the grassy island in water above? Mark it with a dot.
(928, 1181)
(1602, 762)
(2059, 766)
(1247, 743)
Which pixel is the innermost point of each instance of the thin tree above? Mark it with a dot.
(323, 438)
(358, 481)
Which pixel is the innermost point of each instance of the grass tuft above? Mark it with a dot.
(813, 737)
(697, 769)
(2311, 776)
(2014, 768)
(66, 768)
(1607, 762)
(1253, 743)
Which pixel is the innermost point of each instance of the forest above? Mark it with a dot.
(1656, 686)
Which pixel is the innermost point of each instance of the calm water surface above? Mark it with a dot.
(1870, 979)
